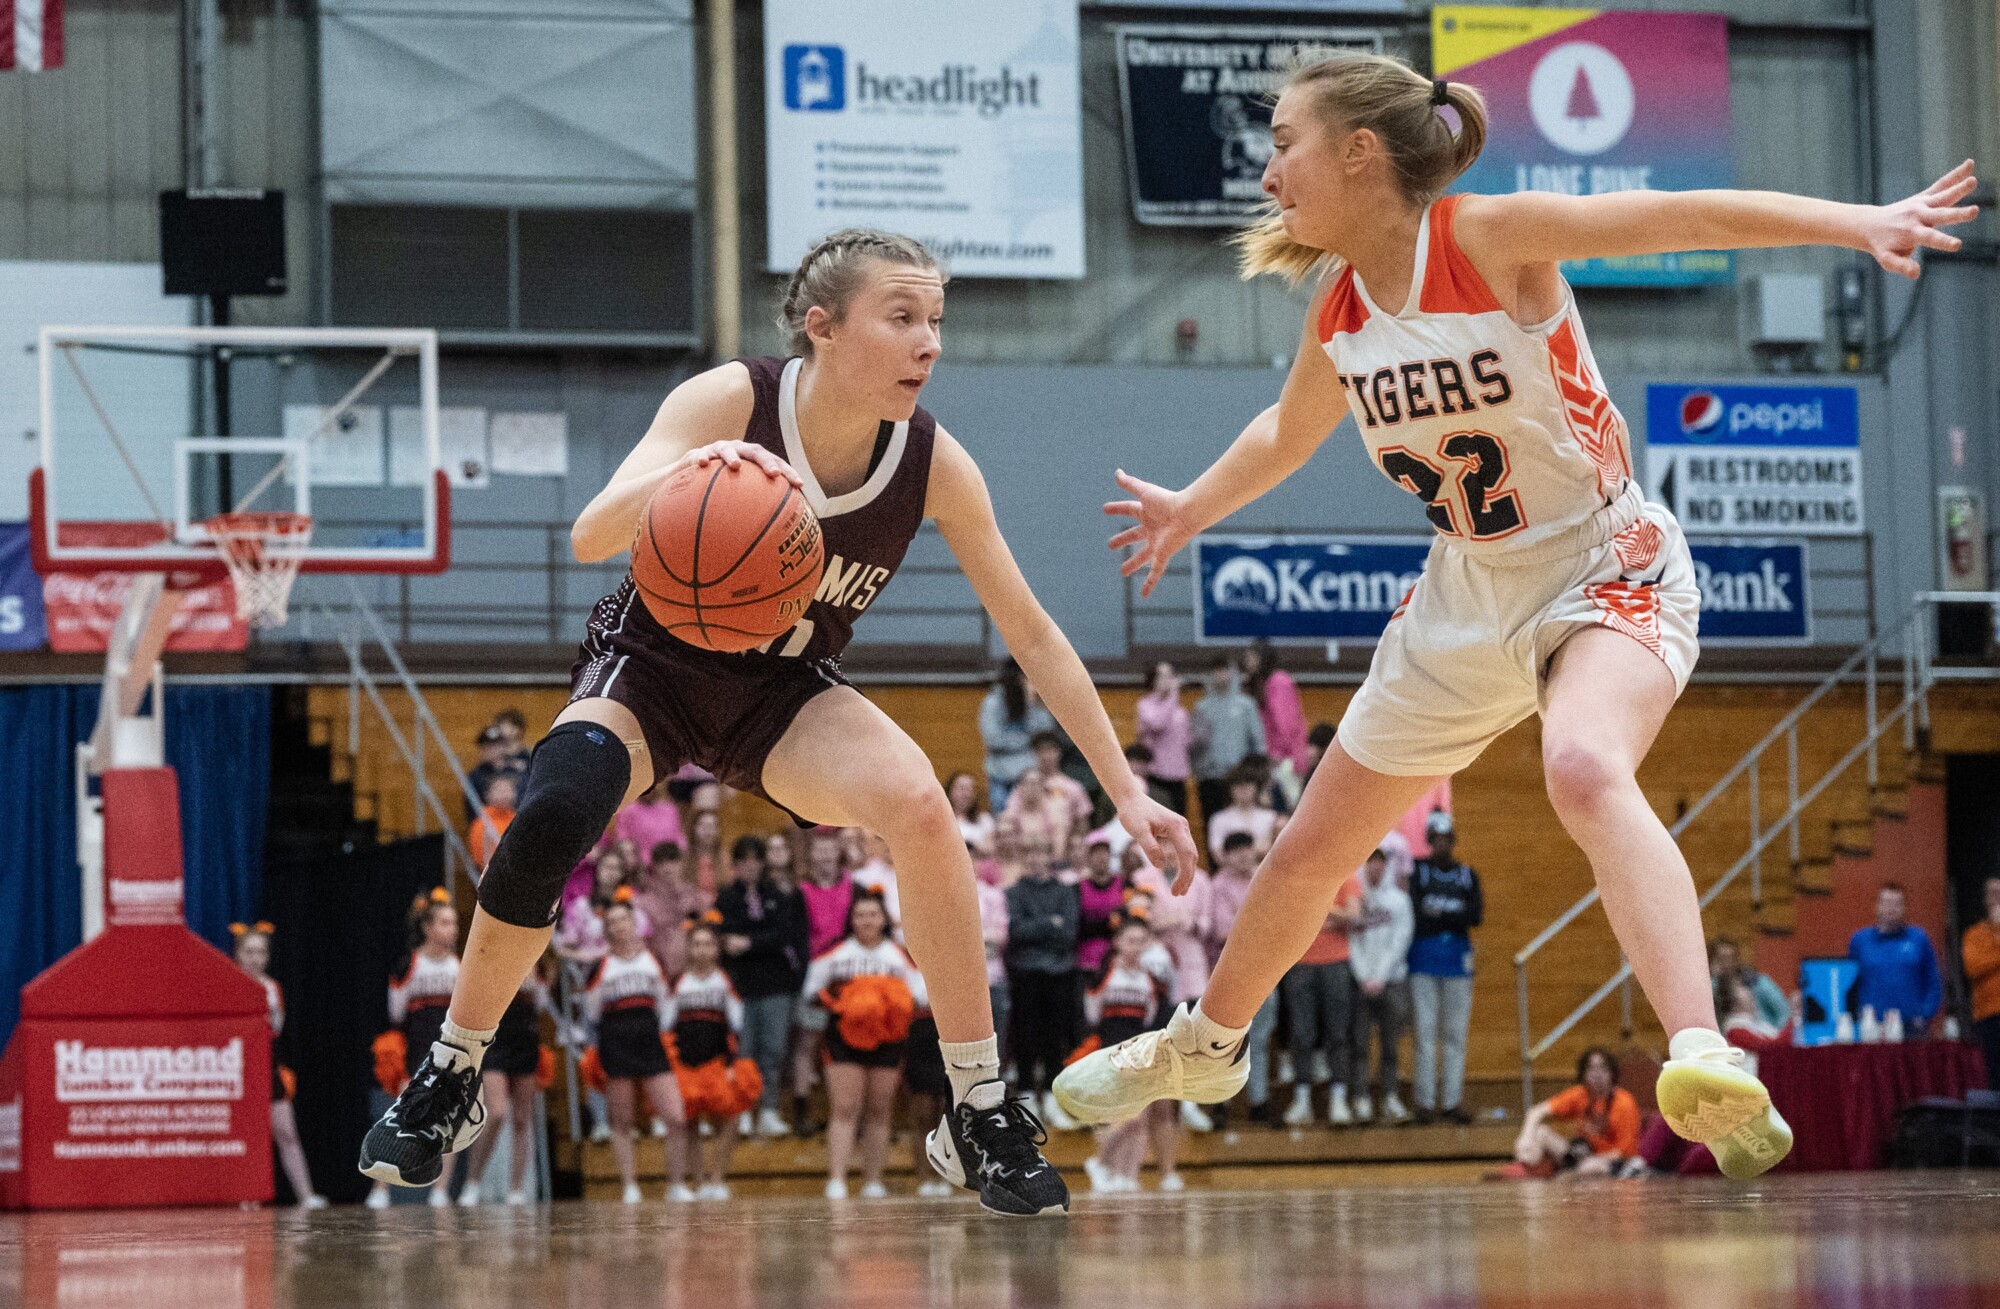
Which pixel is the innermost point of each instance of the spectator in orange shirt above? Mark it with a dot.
(1591, 1128)
(1982, 971)
(499, 811)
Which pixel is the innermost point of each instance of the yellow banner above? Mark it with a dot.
(1466, 34)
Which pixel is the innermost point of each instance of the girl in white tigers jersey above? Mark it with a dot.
(1444, 326)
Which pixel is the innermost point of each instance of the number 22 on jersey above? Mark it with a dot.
(1461, 485)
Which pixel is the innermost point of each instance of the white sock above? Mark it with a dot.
(1212, 1036)
(969, 1064)
(1693, 1042)
(461, 1045)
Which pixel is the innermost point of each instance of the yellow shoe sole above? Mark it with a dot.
(1726, 1109)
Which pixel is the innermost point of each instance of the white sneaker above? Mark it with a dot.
(440, 1198)
(1100, 1180)
(1301, 1112)
(632, 1194)
(600, 1134)
(680, 1193)
(1711, 1098)
(713, 1191)
(1055, 1116)
(1364, 1108)
(1195, 1118)
(1287, 1071)
(836, 1190)
(378, 1198)
(1337, 1112)
(874, 1191)
(468, 1196)
(1114, 1084)
(517, 1199)
(1173, 1182)
(1322, 1068)
(746, 1123)
(769, 1124)
(314, 1202)
(935, 1190)
(1392, 1109)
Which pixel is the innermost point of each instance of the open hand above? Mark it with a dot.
(734, 454)
(1894, 233)
(1161, 529)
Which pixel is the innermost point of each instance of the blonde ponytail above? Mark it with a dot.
(1355, 89)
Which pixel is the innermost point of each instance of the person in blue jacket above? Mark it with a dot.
(1898, 967)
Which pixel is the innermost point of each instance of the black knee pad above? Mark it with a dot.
(576, 781)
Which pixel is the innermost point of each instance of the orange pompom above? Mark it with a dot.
(391, 1057)
(591, 1069)
(873, 1011)
(545, 1068)
(289, 1080)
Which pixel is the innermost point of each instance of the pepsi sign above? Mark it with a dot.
(1731, 458)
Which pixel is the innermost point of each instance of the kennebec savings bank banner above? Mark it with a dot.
(1310, 590)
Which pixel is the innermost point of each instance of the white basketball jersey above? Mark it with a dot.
(1505, 432)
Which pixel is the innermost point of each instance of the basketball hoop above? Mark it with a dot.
(263, 552)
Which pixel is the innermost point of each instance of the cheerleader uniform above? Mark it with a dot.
(705, 1016)
(517, 1044)
(418, 1001)
(1126, 1002)
(274, 1007)
(627, 1000)
(837, 969)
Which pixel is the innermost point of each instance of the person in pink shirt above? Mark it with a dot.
(1164, 727)
(666, 897)
(993, 928)
(828, 891)
(705, 860)
(1044, 818)
(1181, 926)
(1277, 697)
(1244, 814)
(648, 821)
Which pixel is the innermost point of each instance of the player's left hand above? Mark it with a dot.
(1894, 233)
(1164, 837)
(736, 453)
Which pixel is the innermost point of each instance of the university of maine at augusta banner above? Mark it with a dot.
(1311, 589)
(1198, 113)
(960, 125)
(1756, 458)
(1584, 101)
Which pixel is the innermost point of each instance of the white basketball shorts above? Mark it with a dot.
(1466, 655)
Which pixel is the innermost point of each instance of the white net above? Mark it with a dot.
(263, 552)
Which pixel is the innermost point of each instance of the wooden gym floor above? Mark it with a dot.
(1912, 1239)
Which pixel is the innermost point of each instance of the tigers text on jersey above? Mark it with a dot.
(619, 983)
(425, 983)
(850, 959)
(1504, 432)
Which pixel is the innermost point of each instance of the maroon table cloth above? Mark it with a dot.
(1842, 1100)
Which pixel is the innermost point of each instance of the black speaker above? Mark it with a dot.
(223, 242)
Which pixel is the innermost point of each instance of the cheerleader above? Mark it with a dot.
(627, 1002)
(418, 999)
(1134, 995)
(716, 1085)
(510, 1078)
(253, 956)
(870, 992)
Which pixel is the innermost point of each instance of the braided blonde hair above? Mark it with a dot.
(830, 274)
(1356, 89)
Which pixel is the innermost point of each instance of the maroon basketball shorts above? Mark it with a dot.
(721, 712)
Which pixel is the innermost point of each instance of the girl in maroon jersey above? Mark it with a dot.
(839, 420)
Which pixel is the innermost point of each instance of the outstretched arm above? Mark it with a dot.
(1275, 445)
(1529, 227)
(701, 420)
(958, 502)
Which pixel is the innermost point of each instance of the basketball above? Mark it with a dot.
(727, 558)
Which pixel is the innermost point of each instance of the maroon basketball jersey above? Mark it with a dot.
(866, 531)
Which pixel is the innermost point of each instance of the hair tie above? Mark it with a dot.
(239, 930)
(1439, 94)
(439, 895)
(623, 895)
(712, 918)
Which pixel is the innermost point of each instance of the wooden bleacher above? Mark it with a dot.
(1530, 869)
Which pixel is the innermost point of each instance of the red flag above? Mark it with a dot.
(31, 35)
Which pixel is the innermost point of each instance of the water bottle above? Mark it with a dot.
(1843, 1029)
(1950, 1027)
(1892, 1027)
(1871, 1028)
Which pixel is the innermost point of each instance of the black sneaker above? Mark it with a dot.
(438, 1113)
(994, 1152)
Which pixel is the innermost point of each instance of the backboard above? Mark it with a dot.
(339, 423)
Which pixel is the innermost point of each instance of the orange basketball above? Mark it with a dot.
(727, 558)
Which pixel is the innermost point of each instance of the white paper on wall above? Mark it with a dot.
(461, 445)
(346, 452)
(531, 445)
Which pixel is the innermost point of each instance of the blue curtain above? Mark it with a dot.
(219, 744)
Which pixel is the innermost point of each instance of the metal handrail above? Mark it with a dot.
(1913, 714)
